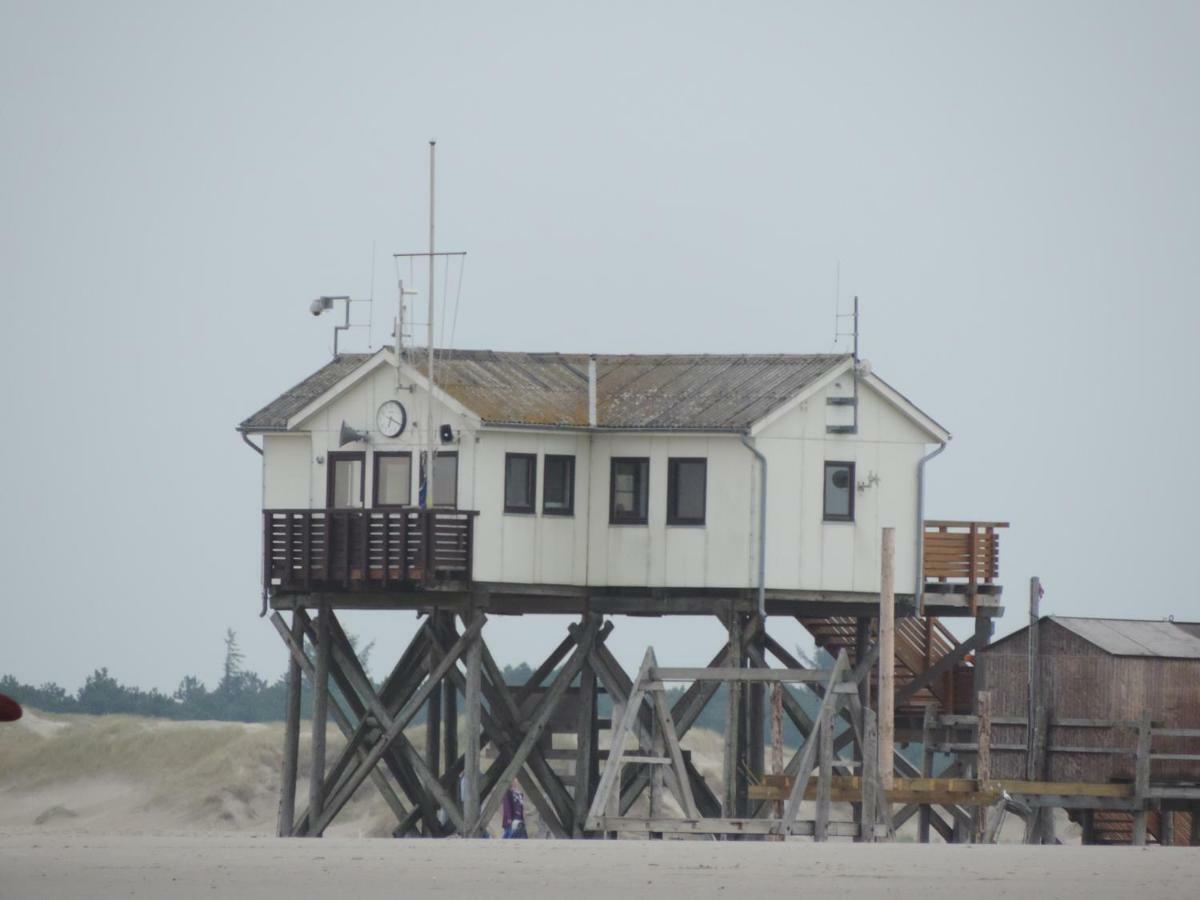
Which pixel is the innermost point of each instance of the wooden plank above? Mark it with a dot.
(687, 800)
(586, 751)
(825, 773)
(945, 664)
(729, 674)
(926, 811)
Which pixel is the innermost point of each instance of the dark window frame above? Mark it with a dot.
(640, 490)
(673, 491)
(379, 455)
(569, 509)
(331, 460)
(531, 460)
(826, 515)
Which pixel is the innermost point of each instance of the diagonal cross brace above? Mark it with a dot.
(395, 727)
(541, 718)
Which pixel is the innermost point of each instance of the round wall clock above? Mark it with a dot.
(391, 418)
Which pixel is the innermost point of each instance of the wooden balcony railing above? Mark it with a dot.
(350, 549)
(965, 553)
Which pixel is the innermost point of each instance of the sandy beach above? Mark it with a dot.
(65, 865)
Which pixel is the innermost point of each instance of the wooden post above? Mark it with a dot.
(983, 758)
(1142, 779)
(291, 737)
(733, 721)
(1166, 828)
(433, 709)
(614, 802)
(824, 772)
(926, 811)
(870, 776)
(316, 779)
(887, 658)
(1194, 838)
(756, 714)
(777, 745)
(473, 703)
(450, 712)
(585, 746)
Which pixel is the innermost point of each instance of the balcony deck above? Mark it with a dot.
(337, 550)
(391, 557)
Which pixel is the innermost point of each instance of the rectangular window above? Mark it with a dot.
(344, 480)
(687, 481)
(839, 492)
(629, 484)
(520, 482)
(445, 479)
(558, 486)
(393, 480)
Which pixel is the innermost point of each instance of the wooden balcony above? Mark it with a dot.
(364, 549)
(962, 557)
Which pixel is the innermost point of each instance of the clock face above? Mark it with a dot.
(391, 419)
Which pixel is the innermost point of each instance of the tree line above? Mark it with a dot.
(243, 696)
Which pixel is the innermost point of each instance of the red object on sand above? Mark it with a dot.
(10, 709)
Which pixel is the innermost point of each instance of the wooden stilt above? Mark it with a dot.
(449, 713)
(887, 658)
(825, 773)
(316, 782)
(291, 738)
(733, 722)
(1141, 779)
(433, 710)
(474, 706)
(585, 747)
(756, 714)
(926, 811)
(983, 758)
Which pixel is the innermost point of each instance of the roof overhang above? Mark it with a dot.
(902, 404)
(385, 357)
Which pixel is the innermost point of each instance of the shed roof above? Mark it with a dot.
(684, 392)
(1134, 637)
(1131, 637)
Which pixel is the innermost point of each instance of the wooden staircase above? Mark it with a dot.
(1115, 826)
(921, 642)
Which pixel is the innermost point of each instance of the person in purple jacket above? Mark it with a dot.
(513, 812)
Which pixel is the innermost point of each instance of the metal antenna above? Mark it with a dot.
(432, 253)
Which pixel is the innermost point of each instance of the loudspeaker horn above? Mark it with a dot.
(349, 435)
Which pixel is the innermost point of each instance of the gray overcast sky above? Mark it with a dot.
(1012, 189)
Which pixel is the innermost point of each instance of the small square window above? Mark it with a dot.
(558, 486)
(839, 492)
(686, 489)
(629, 484)
(519, 485)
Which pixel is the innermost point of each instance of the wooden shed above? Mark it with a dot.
(1099, 670)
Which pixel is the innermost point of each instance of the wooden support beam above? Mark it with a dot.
(870, 776)
(940, 668)
(1141, 781)
(394, 730)
(825, 773)
(926, 811)
(433, 710)
(291, 738)
(586, 749)
(587, 636)
(473, 701)
(804, 765)
(887, 657)
(353, 750)
(983, 757)
(316, 781)
(733, 717)
(610, 778)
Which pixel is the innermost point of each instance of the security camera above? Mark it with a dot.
(319, 306)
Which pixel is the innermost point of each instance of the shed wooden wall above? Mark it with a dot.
(1082, 681)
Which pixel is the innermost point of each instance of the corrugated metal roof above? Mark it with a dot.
(274, 416)
(685, 392)
(1132, 637)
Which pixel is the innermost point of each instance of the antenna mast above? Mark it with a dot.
(425, 495)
